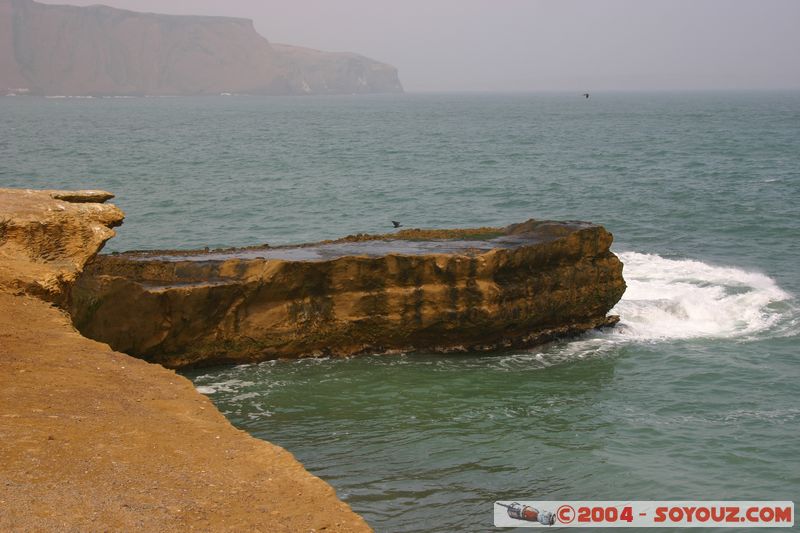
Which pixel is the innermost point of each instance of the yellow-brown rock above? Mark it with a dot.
(443, 291)
(96, 440)
(46, 237)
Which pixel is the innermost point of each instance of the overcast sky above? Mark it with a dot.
(524, 45)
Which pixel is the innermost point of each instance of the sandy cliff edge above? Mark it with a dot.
(93, 439)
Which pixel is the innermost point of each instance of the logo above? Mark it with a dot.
(701, 513)
(526, 513)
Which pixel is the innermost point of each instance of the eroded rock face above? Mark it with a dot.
(441, 291)
(46, 238)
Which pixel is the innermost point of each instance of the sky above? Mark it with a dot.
(536, 45)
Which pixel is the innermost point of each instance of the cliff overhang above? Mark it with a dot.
(47, 237)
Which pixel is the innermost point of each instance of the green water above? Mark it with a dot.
(694, 395)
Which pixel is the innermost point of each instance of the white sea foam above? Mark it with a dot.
(684, 298)
(673, 299)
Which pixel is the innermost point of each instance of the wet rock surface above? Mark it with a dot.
(437, 290)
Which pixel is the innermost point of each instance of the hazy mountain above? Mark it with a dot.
(98, 50)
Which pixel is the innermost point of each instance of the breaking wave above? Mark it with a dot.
(676, 299)
(683, 298)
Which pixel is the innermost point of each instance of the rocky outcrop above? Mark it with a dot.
(46, 237)
(441, 291)
(96, 440)
(99, 50)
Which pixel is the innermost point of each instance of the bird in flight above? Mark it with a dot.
(586, 95)
(396, 224)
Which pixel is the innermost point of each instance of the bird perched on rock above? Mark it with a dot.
(396, 224)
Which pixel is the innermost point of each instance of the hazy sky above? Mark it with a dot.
(520, 45)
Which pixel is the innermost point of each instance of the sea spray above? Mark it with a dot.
(685, 298)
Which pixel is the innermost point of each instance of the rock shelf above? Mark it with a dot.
(432, 290)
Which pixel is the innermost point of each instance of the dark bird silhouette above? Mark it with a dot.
(586, 95)
(396, 224)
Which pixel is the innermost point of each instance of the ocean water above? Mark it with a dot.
(695, 395)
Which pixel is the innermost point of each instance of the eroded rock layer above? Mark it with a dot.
(441, 291)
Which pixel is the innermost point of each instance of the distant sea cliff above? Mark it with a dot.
(103, 51)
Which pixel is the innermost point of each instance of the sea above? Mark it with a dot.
(694, 395)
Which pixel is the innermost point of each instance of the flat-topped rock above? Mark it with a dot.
(434, 290)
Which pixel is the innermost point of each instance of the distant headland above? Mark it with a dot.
(61, 50)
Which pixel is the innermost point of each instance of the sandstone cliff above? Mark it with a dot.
(98, 50)
(439, 291)
(95, 440)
